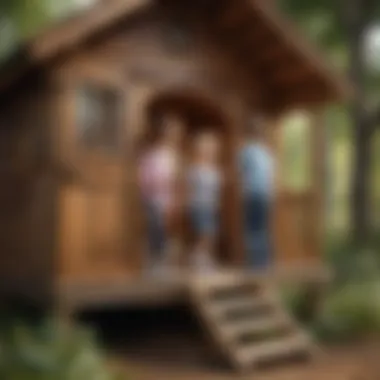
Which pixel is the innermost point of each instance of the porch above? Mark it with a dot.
(151, 291)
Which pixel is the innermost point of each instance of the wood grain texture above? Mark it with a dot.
(249, 26)
(71, 213)
(27, 192)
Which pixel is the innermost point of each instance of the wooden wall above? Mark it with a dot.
(26, 191)
(158, 51)
(157, 55)
(153, 53)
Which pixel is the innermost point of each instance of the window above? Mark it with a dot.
(99, 119)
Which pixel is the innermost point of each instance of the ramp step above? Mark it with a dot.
(220, 281)
(272, 350)
(247, 321)
(255, 326)
(241, 304)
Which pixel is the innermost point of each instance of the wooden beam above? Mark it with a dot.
(292, 75)
(243, 27)
(240, 36)
(272, 54)
(338, 87)
(247, 56)
(297, 98)
(260, 36)
(319, 176)
(75, 30)
(234, 13)
(287, 58)
(210, 9)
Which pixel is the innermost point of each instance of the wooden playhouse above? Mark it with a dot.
(72, 228)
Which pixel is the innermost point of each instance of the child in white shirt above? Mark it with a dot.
(205, 180)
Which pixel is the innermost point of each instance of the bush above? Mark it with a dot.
(50, 352)
(353, 262)
(350, 312)
(299, 304)
(351, 308)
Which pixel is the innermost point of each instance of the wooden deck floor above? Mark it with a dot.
(161, 290)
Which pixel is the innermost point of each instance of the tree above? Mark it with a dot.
(342, 27)
(22, 19)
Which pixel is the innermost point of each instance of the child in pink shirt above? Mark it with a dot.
(159, 170)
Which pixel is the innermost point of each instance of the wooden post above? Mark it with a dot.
(319, 179)
(137, 102)
(274, 142)
(237, 119)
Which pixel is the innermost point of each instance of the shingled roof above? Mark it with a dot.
(288, 65)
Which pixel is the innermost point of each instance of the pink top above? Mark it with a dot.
(158, 170)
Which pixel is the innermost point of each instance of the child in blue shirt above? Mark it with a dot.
(257, 177)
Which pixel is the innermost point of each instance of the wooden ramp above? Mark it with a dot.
(247, 321)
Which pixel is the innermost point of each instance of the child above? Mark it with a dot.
(159, 170)
(204, 198)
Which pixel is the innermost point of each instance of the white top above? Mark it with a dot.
(205, 184)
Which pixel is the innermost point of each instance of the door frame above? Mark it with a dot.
(144, 93)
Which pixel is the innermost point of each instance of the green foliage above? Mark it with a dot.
(50, 352)
(350, 312)
(318, 17)
(23, 19)
(323, 23)
(353, 262)
(350, 308)
(299, 304)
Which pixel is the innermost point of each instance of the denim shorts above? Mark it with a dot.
(258, 237)
(204, 220)
(156, 228)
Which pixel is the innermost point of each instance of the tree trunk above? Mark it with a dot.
(356, 17)
(360, 207)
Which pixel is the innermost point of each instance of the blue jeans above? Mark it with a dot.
(257, 233)
(204, 220)
(157, 235)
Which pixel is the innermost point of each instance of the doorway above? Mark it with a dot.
(197, 114)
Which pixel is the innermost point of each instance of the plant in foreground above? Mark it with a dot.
(51, 352)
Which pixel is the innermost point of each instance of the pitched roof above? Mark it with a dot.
(292, 70)
(289, 67)
(65, 35)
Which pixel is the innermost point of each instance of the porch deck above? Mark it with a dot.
(148, 291)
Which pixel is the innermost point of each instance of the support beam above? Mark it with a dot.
(307, 95)
(272, 54)
(295, 75)
(78, 29)
(233, 15)
(318, 130)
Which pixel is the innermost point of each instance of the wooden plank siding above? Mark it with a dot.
(27, 193)
(72, 216)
